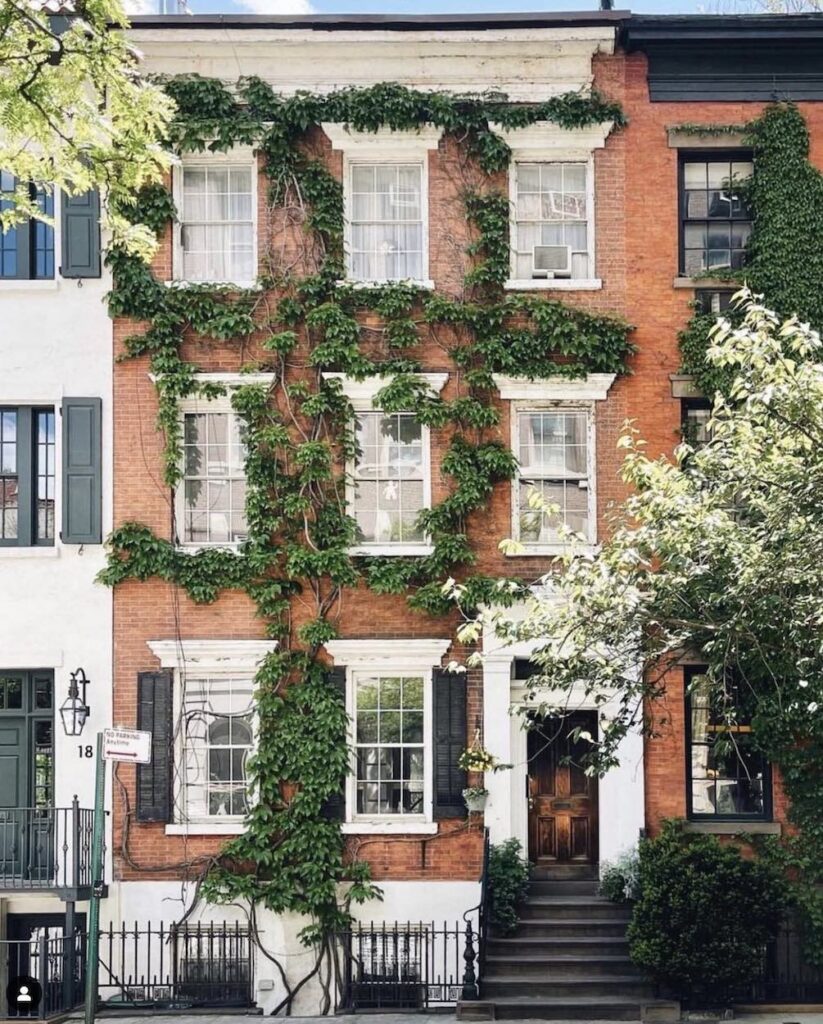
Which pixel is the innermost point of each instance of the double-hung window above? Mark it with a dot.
(27, 476)
(218, 737)
(216, 197)
(391, 480)
(553, 490)
(695, 416)
(728, 777)
(552, 236)
(715, 220)
(390, 743)
(386, 222)
(27, 249)
(211, 504)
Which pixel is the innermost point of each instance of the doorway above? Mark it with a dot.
(37, 946)
(562, 798)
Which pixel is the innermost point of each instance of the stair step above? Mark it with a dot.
(551, 945)
(570, 927)
(573, 907)
(559, 986)
(555, 965)
(588, 1008)
(563, 888)
(564, 872)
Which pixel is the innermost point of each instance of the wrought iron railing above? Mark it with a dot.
(176, 966)
(787, 977)
(57, 964)
(402, 966)
(45, 847)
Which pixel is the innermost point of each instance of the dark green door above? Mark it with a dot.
(26, 776)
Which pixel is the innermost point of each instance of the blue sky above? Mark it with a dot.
(438, 6)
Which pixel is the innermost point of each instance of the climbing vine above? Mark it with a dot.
(303, 326)
(784, 261)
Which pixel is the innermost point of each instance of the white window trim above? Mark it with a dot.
(219, 404)
(237, 155)
(592, 388)
(536, 405)
(234, 659)
(379, 656)
(384, 146)
(545, 142)
(362, 394)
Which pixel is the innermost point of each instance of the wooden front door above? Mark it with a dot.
(562, 798)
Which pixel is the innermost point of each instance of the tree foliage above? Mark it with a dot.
(74, 113)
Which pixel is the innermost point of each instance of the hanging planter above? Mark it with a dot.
(475, 797)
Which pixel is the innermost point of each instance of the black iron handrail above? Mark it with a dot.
(475, 960)
(46, 847)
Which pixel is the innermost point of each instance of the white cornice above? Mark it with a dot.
(382, 653)
(544, 139)
(364, 391)
(343, 137)
(211, 655)
(594, 388)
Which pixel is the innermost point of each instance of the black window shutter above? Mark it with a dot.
(334, 806)
(82, 471)
(80, 228)
(449, 743)
(154, 715)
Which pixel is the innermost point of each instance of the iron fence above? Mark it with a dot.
(199, 965)
(787, 977)
(45, 847)
(57, 963)
(410, 965)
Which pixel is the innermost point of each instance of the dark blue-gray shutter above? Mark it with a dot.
(82, 471)
(154, 715)
(80, 231)
(450, 725)
(334, 806)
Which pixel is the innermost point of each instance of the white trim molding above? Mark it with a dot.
(211, 655)
(545, 140)
(387, 653)
(383, 142)
(228, 380)
(592, 388)
(362, 393)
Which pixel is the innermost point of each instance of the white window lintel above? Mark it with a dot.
(592, 388)
(388, 654)
(211, 655)
(363, 392)
(549, 141)
(385, 142)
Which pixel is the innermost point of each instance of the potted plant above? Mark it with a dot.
(477, 759)
(475, 797)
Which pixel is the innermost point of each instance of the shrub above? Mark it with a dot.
(704, 915)
(620, 881)
(508, 881)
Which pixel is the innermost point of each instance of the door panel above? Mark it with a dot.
(12, 793)
(562, 798)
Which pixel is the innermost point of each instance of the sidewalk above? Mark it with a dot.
(786, 1017)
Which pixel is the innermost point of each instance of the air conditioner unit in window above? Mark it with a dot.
(552, 261)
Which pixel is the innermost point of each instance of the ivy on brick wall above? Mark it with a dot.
(784, 260)
(299, 433)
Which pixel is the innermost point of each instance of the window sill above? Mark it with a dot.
(426, 285)
(194, 549)
(709, 283)
(558, 284)
(35, 551)
(555, 550)
(226, 286)
(392, 550)
(376, 828)
(15, 285)
(734, 828)
(208, 828)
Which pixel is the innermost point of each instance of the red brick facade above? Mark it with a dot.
(637, 259)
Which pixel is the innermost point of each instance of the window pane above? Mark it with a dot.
(551, 209)
(217, 229)
(45, 471)
(386, 237)
(214, 487)
(716, 221)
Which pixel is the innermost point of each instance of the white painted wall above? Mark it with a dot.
(55, 343)
(526, 64)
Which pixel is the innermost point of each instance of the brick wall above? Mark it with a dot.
(636, 257)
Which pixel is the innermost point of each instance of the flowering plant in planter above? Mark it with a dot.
(475, 797)
(477, 759)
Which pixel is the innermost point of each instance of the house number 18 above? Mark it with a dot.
(85, 750)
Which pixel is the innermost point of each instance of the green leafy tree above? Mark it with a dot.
(74, 112)
(718, 555)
